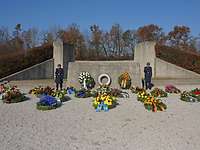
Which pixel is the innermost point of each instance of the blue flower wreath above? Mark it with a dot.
(48, 100)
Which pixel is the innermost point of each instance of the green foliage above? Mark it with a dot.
(37, 91)
(10, 98)
(191, 96)
(158, 93)
(12, 94)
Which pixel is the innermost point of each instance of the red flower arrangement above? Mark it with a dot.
(171, 89)
(196, 92)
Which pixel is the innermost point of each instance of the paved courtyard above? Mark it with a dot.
(76, 125)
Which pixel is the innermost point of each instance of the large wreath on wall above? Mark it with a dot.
(86, 80)
(101, 76)
(124, 80)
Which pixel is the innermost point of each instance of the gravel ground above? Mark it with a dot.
(76, 125)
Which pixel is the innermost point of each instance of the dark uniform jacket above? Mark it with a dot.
(148, 73)
(59, 75)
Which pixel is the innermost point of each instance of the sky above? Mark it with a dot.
(130, 14)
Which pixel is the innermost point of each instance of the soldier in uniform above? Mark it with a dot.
(148, 76)
(59, 76)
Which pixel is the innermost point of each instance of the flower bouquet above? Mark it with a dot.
(142, 96)
(136, 90)
(100, 90)
(59, 95)
(192, 96)
(2, 88)
(86, 80)
(150, 102)
(195, 92)
(153, 104)
(124, 80)
(171, 89)
(48, 102)
(70, 90)
(115, 92)
(104, 102)
(2, 91)
(158, 93)
(83, 93)
(13, 95)
(38, 91)
(103, 89)
(119, 93)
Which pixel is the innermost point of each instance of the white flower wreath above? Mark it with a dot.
(85, 77)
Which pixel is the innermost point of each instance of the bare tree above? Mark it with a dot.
(4, 34)
(150, 33)
(130, 39)
(31, 37)
(180, 35)
(116, 38)
(72, 35)
(17, 31)
(96, 39)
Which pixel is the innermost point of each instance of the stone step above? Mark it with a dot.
(163, 82)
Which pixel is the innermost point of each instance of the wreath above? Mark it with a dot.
(150, 102)
(38, 91)
(158, 93)
(60, 95)
(136, 90)
(191, 96)
(48, 102)
(70, 90)
(12, 95)
(124, 80)
(83, 93)
(101, 76)
(153, 104)
(104, 102)
(172, 89)
(142, 96)
(119, 93)
(86, 80)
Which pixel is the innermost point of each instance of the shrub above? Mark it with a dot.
(187, 60)
(16, 61)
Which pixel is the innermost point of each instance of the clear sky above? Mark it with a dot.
(44, 14)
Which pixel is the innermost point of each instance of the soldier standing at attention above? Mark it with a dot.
(59, 76)
(148, 76)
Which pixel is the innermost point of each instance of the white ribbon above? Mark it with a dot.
(84, 84)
